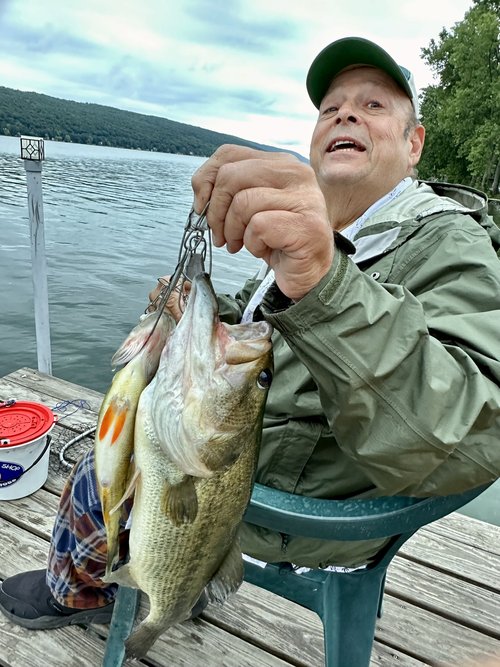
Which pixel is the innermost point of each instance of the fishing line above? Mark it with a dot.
(78, 403)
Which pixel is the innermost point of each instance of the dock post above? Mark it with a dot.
(32, 152)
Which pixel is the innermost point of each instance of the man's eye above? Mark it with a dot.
(373, 104)
(328, 110)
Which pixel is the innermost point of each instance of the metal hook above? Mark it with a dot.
(194, 252)
(201, 221)
(196, 245)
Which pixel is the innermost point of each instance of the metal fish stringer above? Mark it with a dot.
(195, 256)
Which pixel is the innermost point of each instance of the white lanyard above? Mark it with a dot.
(257, 297)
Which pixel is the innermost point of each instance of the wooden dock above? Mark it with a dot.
(442, 602)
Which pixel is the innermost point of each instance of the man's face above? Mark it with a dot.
(360, 137)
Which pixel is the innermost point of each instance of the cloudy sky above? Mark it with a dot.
(234, 66)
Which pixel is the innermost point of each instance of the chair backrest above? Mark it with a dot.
(356, 519)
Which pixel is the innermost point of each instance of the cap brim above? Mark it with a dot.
(343, 53)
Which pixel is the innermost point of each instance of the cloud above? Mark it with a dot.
(48, 38)
(4, 6)
(232, 26)
(171, 92)
(237, 67)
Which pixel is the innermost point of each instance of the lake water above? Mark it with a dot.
(113, 223)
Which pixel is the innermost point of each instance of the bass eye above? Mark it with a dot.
(264, 379)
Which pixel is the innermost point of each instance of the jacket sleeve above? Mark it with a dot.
(408, 373)
(231, 308)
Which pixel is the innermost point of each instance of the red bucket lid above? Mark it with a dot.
(24, 421)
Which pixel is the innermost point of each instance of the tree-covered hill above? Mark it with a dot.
(34, 114)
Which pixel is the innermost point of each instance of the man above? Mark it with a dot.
(387, 355)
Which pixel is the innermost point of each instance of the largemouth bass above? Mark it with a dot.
(195, 481)
(113, 445)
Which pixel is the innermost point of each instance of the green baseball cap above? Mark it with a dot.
(355, 51)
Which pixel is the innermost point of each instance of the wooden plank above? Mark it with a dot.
(275, 622)
(68, 647)
(56, 480)
(309, 654)
(193, 643)
(199, 642)
(457, 559)
(411, 631)
(20, 551)
(465, 603)
(31, 379)
(438, 592)
(283, 628)
(385, 656)
(35, 513)
(463, 529)
(445, 595)
(291, 625)
(431, 638)
(408, 634)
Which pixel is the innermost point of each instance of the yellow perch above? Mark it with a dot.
(113, 446)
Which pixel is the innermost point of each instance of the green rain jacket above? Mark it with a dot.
(387, 374)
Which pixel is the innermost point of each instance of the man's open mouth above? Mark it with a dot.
(345, 145)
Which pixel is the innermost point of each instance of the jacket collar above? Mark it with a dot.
(393, 223)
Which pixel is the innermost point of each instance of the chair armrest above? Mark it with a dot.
(355, 519)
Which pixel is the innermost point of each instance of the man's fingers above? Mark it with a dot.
(238, 185)
(204, 178)
(175, 302)
(270, 203)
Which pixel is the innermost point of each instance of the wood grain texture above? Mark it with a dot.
(441, 608)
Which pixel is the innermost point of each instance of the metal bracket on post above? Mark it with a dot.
(32, 152)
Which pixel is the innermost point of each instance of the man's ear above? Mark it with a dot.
(416, 139)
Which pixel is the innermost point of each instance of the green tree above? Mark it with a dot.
(462, 111)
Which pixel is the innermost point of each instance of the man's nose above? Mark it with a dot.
(346, 115)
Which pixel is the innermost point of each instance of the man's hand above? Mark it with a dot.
(270, 203)
(176, 301)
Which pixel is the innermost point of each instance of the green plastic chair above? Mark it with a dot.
(348, 603)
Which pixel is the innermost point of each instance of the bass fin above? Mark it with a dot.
(140, 641)
(228, 577)
(122, 576)
(180, 501)
(128, 491)
(220, 453)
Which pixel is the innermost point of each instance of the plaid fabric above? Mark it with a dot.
(77, 556)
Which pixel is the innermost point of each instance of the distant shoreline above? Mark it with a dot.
(55, 119)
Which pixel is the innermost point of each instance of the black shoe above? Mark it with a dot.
(26, 600)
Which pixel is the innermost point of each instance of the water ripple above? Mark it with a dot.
(113, 223)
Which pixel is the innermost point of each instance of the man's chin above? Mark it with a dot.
(342, 173)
